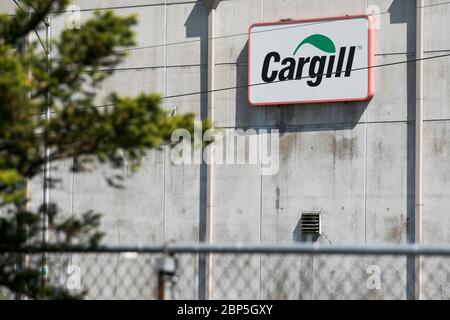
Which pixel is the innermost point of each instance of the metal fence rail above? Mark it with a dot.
(246, 271)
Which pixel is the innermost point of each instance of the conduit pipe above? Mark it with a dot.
(211, 5)
(418, 194)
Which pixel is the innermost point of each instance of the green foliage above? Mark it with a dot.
(77, 129)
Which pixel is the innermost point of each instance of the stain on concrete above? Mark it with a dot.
(345, 148)
(195, 233)
(437, 147)
(395, 229)
(380, 151)
(440, 144)
(277, 201)
(287, 145)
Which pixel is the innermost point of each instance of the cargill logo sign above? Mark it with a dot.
(311, 61)
(319, 66)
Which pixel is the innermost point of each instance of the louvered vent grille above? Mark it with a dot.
(310, 223)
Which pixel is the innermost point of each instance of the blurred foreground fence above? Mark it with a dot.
(238, 271)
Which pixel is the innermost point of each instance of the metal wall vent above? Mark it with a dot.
(310, 223)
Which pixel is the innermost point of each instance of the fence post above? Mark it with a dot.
(166, 266)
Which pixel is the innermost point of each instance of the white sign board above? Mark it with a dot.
(324, 60)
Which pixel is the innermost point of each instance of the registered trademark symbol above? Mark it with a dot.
(359, 47)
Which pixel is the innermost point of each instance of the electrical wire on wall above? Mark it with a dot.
(245, 34)
(301, 78)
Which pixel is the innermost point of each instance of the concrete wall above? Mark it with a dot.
(352, 161)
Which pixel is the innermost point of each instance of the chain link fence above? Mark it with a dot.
(288, 272)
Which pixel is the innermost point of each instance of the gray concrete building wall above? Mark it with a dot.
(354, 162)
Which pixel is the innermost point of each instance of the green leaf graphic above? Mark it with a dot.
(320, 42)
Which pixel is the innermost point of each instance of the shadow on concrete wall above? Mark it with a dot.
(292, 118)
(197, 28)
(404, 12)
